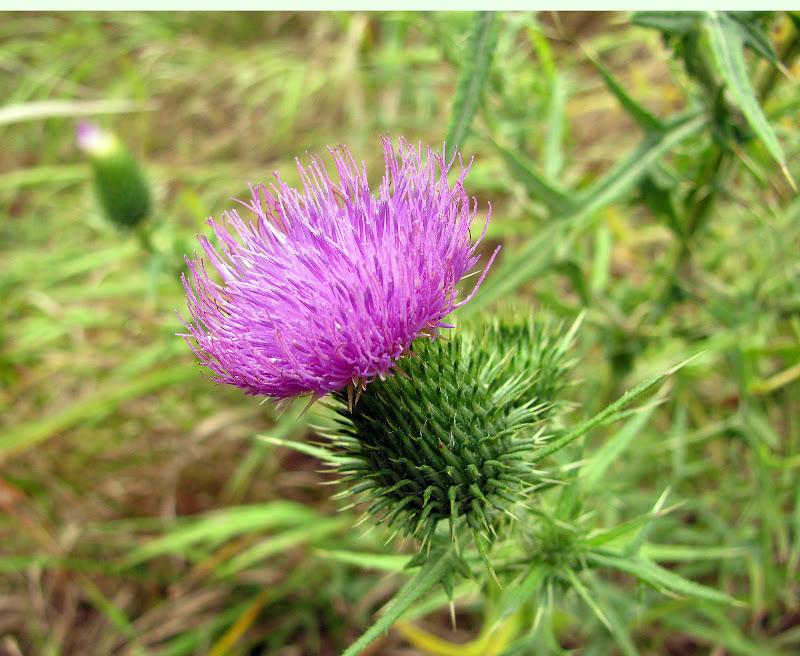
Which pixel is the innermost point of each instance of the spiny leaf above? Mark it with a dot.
(643, 118)
(669, 22)
(593, 595)
(437, 566)
(604, 416)
(593, 471)
(539, 253)
(753, 34)
(538, 186)
(472, 78)
(515, 595)
(660, 578)
(726, 41)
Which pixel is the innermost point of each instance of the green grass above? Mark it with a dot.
(143, 509)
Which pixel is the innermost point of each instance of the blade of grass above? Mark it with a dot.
(228, 640)
(19, 438)
(215, 527)
(305, 533)
(381, 562)
(34, 111)
(554, 135)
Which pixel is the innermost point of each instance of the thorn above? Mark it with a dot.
(314, 398)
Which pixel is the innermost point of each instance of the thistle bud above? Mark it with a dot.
(118, 179)
(449, 436)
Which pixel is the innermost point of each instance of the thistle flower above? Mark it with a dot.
(326, 286)
(118, 179)
(451, 440)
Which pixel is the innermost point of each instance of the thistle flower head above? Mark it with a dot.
(327, 285)
(451, 439)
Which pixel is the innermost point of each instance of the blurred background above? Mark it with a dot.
(140, 514)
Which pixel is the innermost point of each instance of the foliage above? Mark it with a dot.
(631, 166)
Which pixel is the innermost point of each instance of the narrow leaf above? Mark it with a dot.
(753, 34)
(539, 252)
(641, 116)
(319, 452)
(17, 439)
(554, 136)
(727, 42)
(610, 451)
(382, 562)
(538, 186)
(660, 578)
(604, 415)
(669, 22)
(280, 543)
(516, 595)
(472, 78)
(432, 572)
(220, 525)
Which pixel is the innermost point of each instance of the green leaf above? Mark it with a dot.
(641, 116)
(215, 527)
(539, 252)
(614, 533)
(472, 78)
(554, 135)
(753, 34)
(615, 628)
(669, 22)
(436, 567)
(539, 188)
(676, 553)
(572, 271)
(382, 562)
(282, 542)
(726, 41)
(518, 593)
(17, 439)
(319, 452)
(657, 196)
(619, 630)
(660, 578)
(604, 416)
(593, 471)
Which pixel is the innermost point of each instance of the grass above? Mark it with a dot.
(142, 514)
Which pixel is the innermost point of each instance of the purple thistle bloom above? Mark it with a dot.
(328, 286)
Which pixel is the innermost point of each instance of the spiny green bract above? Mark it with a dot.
(448, 437)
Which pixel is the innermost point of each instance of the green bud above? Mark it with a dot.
(119, 180)
(448, 438)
